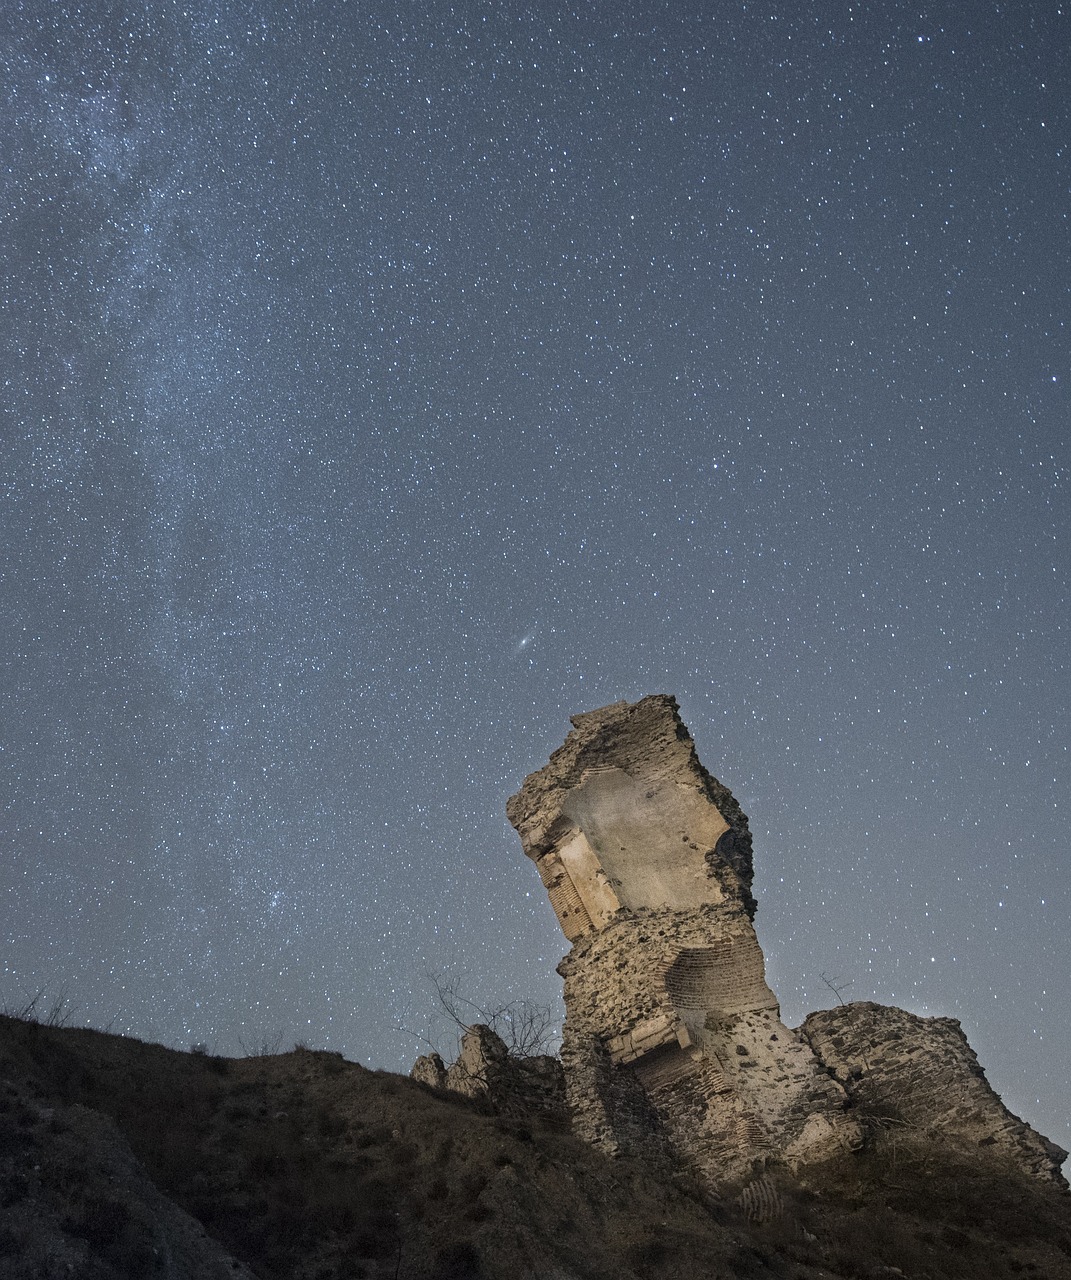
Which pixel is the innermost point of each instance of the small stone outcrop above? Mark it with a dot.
(673, 1046)
(521, 1087)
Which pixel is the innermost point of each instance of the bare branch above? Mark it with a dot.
(526, 1028)
(837, 985)
(58, 1012)
(264, 1046)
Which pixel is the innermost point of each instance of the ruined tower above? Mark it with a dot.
(673, 1041)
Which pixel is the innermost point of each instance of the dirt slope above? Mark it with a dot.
(124, 1159)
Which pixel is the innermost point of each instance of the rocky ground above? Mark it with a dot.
(124, 1159)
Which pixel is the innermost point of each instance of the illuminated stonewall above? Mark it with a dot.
(673, 1043)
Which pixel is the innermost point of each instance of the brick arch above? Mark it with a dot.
(725, 978)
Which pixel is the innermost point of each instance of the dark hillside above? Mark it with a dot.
(124, 1159)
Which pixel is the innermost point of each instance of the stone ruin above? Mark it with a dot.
(924, 1072)
(673, 1046)
(487, 1071)
(672, 1041)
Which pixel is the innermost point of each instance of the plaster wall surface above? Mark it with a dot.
(649, 839)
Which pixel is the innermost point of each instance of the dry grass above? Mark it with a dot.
(308, 1167)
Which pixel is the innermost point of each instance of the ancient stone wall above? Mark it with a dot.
(922, 1072)
(673, 1045)
(673, 1040)
(596, 759)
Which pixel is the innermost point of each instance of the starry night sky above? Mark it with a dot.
(385, 382)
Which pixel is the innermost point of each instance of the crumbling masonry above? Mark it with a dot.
(672, 1038)
(673, 1044)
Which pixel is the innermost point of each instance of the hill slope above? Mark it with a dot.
(124, 1159)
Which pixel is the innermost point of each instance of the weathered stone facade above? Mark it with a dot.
(923, 1073)
(673, 1041)
(673, 1046)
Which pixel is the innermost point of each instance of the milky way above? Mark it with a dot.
(383, 384)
